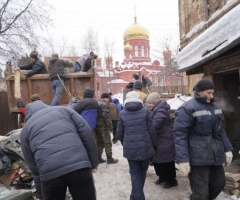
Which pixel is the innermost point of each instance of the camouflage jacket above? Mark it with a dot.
(103, 120)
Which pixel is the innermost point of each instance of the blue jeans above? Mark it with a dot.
(77, 67)
(57, 88)
(138, 170)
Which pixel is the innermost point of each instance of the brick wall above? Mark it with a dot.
(192, 12)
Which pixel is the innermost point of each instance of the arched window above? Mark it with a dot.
(130, 56)
(142, 50)
(136, 51)
(147, 52)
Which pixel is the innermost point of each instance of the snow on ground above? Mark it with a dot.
(114, 182)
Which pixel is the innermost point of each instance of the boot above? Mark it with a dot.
(100, 160)
(111, 160)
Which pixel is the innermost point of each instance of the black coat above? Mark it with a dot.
(56, 67)
(164, 131)
(56, 141)
(136, 132)
(38, 67)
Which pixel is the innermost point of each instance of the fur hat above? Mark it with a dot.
(105, 95)
(35, 97)
(204, 84)
(55, 55)
(132, 96)
(153, 98)
(34, 55)
(138, 85)
(88, 92)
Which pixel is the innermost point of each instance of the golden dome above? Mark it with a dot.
(136, 31)
(128, 47)
(108, 57)
(167, 51)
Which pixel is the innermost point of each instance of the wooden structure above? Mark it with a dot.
(8, 122)
(39, 84)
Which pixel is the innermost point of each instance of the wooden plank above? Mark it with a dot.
(29, 89)
(232, 177)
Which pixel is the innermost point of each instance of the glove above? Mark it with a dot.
(229, 157)
(184, 168)
(94, 170)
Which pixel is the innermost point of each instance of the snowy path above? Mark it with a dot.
(113, 182)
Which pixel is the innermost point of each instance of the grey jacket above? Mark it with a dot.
(82, 60)
(56, 141)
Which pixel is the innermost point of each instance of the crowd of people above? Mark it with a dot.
(62, 145)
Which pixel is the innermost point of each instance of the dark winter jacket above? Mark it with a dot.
(199, 136)
(38, 67)
(103, 120)
(56, 67)
(87, 65)
(164, 132)
(56, 141)
(88, 109)
(119, 105)
(136, 132)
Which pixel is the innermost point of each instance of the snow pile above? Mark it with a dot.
(117, 81)
(217, 39)
(177, 101)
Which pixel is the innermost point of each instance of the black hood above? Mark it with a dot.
(33, 107)
(132, 106)
(88, 93)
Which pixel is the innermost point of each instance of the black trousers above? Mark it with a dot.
(165, 171)
(114, 123)
(79, 182)
(206, 182)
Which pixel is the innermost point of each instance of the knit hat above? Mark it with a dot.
(92, 54)
(153, 98)
(35, 97)
(204, 84)
(88, 92)
(105, 95)
(132, 96)
(55, 55)
(138, 85)
(34, 55)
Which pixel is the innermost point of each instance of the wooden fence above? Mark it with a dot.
(8, 122)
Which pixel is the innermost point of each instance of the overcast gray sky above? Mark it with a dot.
(110, 18)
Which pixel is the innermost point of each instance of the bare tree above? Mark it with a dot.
(90, 41)
(73, 51)
(19, 23)
(108, 51)
(56, 46)
(167, 52)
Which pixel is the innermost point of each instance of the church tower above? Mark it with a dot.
(136, 43)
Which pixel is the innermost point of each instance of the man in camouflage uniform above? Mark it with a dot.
(103, 128)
